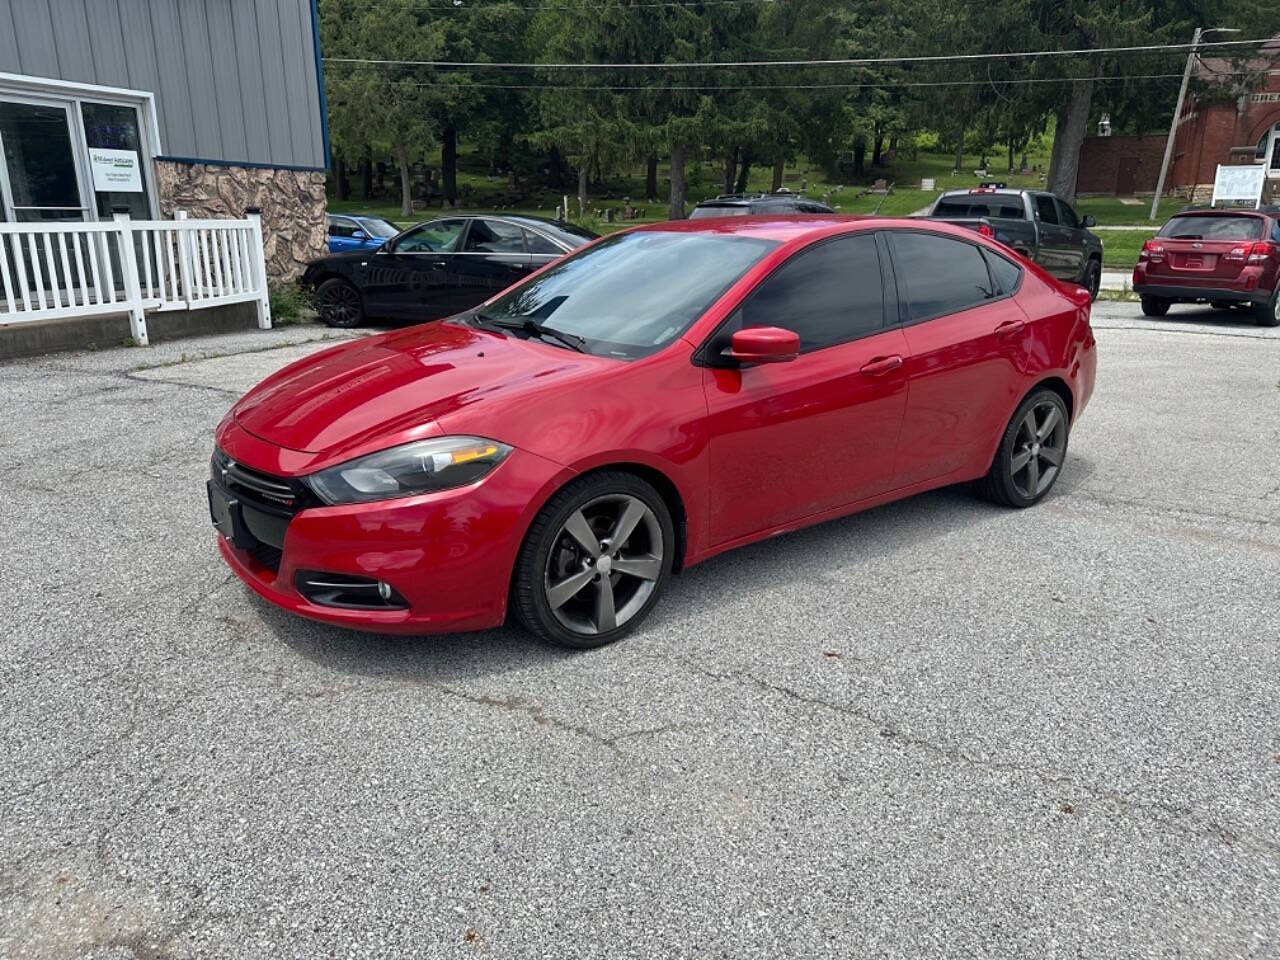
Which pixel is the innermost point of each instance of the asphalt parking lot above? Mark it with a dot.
(937, 729)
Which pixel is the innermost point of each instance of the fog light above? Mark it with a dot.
(384, 590)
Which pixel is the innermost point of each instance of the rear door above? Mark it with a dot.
(1200, 248)
(963, 332)
(791, 440)
(493, 256)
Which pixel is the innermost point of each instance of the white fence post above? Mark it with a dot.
(259, 261)
(129, 271)
(185, 267)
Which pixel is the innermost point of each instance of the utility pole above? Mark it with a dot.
(1177, 112)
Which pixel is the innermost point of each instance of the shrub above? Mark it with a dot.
(290, 304)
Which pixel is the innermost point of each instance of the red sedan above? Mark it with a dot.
(660, 396)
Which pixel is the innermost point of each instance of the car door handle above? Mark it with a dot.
(881, 365)
(438, 264)
(1010, 328)
(518, 266)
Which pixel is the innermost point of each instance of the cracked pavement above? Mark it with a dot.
(936, 729)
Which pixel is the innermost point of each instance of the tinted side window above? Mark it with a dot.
(541, 245)
(438, 236)
(494, 236)
(1046, 209)
(1006, 273)
(827, 294)
(1068, 215)
(942, 275)
(342, 228)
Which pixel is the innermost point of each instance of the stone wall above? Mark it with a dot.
(292, 204)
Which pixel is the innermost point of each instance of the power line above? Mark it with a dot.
(781, 86)
(459, 7)
(856, 62)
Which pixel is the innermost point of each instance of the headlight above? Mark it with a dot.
(420, 467)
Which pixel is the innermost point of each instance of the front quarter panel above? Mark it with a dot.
(650, 412)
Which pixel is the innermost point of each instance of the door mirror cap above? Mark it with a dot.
(359, 235)
(764, 345)
(1089, 220)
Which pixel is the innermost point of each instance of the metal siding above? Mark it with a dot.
(295, 74)
(253, 94)
(226, 73)
(173, 101)
(33, 31)
(71, 37)
(272, 68)
(111, 64)
(235, 81)
(9, 62)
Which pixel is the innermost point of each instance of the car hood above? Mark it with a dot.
(382, 390)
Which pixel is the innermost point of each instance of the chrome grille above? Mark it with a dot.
(257, 487)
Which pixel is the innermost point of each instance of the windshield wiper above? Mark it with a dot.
(533, 327)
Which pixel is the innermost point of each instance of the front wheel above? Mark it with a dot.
(1032, 451)
(1154, 306)
(1268, 314)
(595, 561)
(339, 303)
(1092, 279)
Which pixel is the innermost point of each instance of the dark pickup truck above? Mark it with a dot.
(1034, 223)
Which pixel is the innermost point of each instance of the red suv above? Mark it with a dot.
(1231, 258)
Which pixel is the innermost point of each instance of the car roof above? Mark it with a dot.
(791, 226)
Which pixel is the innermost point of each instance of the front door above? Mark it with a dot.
(1055, 238)
(414, 277)
(791, 440)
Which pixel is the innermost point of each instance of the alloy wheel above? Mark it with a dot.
(340, 304)
(1039, 448)
(604, 564)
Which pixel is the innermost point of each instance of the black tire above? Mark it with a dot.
(1268, 314)
(552, 558)
(1011, 485)
(1092, 279)
(1154, 306)
(339, 303)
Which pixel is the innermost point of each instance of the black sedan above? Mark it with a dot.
(438, 268)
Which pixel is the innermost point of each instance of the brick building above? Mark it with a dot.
(1216, 128)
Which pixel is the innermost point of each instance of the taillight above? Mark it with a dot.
(984, 230)
(1236, 253)
(1152, 251)
(1261, 250)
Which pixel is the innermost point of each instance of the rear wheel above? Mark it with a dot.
(1154, 306)
(1268, 314)
(1031, 453)
(595, 561)
(339, 303)
(1092, 279)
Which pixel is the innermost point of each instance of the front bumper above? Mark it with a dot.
(448, 554)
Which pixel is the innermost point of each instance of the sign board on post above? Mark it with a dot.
(1237, 186)
(115, 171)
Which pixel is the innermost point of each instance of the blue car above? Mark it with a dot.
(358, 232)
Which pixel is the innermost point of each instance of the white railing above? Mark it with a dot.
(60, 270)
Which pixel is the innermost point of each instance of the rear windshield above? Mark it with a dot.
(1208, 227)
(728, 210)
(1008, 207)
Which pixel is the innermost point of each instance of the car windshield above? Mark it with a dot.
(1213, 228)
(631, 294)
(377, 227)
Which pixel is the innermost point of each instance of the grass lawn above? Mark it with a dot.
(481, 192)
(1120, 247)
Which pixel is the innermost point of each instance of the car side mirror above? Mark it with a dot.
(764, 345)
(359, 235)
(1089, 220)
